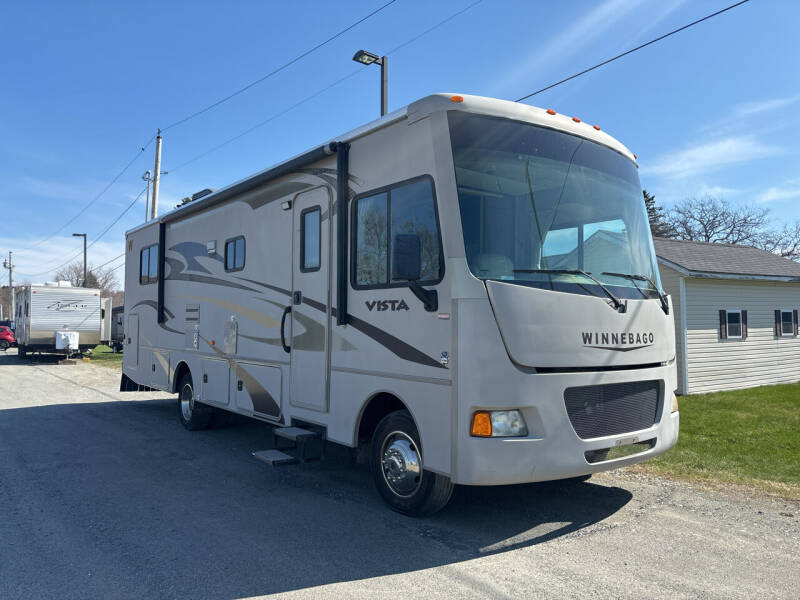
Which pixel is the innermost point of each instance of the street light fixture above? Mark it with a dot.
(83, 235)
(368, 58)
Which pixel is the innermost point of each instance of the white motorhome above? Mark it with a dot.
(45, 310)
(466, 286)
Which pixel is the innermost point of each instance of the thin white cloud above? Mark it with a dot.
(747, 110)
(784, 192)
(569, 41)
(702, 158)
(716, 191)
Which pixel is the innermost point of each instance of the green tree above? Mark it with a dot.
(659, 224)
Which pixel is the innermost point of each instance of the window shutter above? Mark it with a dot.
(723, 325)
(778, 323)
(744, 325)
(794, 314)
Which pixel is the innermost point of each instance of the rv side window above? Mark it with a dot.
(148, 265)
(234, 254)
(408, 207)
(310, 239)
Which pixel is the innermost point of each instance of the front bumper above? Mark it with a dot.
(552, 449)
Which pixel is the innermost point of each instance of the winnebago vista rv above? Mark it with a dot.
(49, 313)
(467, 287)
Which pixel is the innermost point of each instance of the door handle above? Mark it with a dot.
(286, 311)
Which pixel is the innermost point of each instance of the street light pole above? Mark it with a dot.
(368, 58)
(83, 235)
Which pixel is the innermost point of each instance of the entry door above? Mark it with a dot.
(311, 300)
(132, 347)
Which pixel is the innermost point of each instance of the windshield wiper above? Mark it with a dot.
(661, 296)
(618, 305)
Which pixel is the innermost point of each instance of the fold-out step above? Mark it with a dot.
(294, 433)
(275, 457)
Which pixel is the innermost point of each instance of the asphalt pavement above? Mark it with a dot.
(104, 495)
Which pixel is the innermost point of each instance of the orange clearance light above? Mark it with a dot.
(636, 157)
(212, 342)
(596, 127)
(576, 119)
(550, 111)
(456, 98)
(481, 424)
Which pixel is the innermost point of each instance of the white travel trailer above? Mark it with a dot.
(45, 310)
(467, 287)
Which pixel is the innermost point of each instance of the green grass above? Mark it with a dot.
(749, 437)
(102, 355)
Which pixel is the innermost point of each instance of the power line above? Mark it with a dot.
(321, 91)
(110, 261)
(94, 241)
(278, 69)
(97, 197)
(618, 56)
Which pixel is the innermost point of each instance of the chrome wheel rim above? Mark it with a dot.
(401, 464)
(187, 402)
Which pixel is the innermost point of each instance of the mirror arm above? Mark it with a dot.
(429, 298)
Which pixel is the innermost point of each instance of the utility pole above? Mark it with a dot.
(384, 85)
(148, 177)
(9, 265)
(156, 177)
(83, 235)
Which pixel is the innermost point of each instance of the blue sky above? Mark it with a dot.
(714, 109)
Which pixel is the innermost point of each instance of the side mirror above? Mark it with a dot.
(406, 257)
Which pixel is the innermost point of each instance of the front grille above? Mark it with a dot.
(600, 410)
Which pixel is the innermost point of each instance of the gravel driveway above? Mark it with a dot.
(104, 494)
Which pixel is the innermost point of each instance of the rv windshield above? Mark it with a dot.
(538, 206)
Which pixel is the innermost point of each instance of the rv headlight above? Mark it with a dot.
(498, 423)
(674, 402)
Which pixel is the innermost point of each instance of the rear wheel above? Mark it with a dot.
(398, 469)
(22, 352)
(4, 345)
(193, 414)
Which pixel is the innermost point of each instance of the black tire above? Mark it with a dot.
(4, 345)
(414, 495)
(220, 418)
(22, 352)
(193, 415)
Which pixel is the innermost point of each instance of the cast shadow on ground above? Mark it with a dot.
(120, 491)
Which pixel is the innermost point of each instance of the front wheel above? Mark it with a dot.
(398, 469)
(4, 345)
(193, 414)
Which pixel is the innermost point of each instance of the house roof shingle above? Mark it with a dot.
(728, 259)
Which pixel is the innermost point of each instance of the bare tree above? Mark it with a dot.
(785, 241)
(710, 219)
(104, 279)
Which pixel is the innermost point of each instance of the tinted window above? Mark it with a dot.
(310, 239)
(148, 265)
(371, 240)
(234, 254)
(144, 266)
(402, 209)
(734, 324)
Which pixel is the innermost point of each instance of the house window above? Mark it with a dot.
(234, 254)
(310, 220)
(786, 322)
(733, 324)
(148, 265)
(381, 215)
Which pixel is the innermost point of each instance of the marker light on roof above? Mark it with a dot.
(550, 111)
(576, 119)
(596, 127)
(456, 98)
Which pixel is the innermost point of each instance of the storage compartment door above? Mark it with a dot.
(214, 382)
(257, 389)
(131, 356)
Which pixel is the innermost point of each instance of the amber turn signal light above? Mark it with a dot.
(456, 98)
(481, 424)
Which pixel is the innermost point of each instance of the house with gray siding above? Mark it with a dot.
(736, 314)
